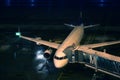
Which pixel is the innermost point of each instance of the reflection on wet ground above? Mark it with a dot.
(25, 66)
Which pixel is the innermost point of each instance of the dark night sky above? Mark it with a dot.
(16, 13)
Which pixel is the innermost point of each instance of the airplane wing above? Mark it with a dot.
(101, 44)
(41, 42)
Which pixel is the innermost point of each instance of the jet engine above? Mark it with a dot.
(47, 53)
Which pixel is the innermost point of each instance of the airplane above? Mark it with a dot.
(71, 44)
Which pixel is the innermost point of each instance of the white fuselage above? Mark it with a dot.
(72, 39)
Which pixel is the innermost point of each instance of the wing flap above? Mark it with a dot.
(43, 42)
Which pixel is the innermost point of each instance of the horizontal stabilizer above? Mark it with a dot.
(70, 25)
(90, 26)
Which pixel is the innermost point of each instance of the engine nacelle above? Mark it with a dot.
(47, 53)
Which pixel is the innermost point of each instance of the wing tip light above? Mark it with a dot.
(18, 34)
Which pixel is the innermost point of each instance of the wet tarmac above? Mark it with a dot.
(18, 62)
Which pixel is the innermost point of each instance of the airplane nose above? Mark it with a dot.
(60, 63)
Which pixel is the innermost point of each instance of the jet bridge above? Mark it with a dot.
(97, 63)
